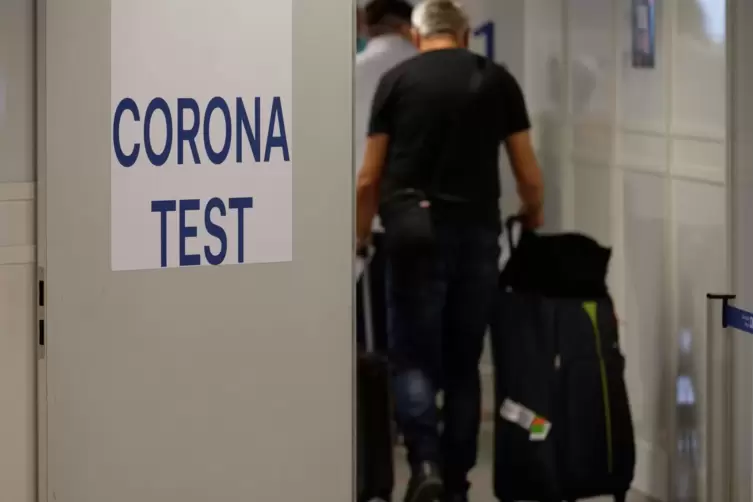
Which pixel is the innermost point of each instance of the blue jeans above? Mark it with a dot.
(438, 312)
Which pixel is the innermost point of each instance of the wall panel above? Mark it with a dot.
(17, 253)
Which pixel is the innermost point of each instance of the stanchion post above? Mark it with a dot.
(729, 383)
(719, 414)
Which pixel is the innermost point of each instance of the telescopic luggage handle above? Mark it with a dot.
(368, 316)
(509, 230)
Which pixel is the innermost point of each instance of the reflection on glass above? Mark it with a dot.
(644, 34)
(714, 19)
(688, 434)
(2, 98)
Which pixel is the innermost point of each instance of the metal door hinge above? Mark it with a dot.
(41, 313)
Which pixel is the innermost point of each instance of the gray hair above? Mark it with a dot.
(439, 17)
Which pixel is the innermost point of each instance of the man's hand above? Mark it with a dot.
(367, 188)
(362, 246)
(529, 178)
(532, 219)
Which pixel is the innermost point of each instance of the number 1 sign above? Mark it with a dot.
(487, 33)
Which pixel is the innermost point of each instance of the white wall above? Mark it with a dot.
(17, 255)
(636, 158)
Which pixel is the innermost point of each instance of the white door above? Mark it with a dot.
(17, 237)
(174, 382)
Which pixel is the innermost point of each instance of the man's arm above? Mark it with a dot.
(528, 177)
(367, 187)
(517, 139)
(374, 158)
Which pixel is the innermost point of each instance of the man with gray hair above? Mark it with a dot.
(431, 170)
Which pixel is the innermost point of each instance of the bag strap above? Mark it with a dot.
(434, 173)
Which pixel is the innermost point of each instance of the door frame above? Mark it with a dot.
(740, 235)
(40, 37)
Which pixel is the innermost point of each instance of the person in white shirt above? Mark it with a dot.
(361, 35)
(387, 26)
(388, 23)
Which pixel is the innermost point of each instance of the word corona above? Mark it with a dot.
(189, 127)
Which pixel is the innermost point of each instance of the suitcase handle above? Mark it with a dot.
(368, 317)
(510, 226)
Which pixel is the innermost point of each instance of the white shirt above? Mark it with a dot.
(380, 55)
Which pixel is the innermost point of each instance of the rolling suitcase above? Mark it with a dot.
(374, 434)
(596, 446)
(523, 351)
(563, 430)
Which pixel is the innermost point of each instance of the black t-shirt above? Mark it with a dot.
(446, 113)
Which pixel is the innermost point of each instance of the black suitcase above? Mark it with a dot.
(563, 430)
(596, 446)
(525, 467)
(374, 433)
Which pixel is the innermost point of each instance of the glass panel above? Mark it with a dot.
(17, 91)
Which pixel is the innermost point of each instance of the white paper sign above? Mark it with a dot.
(201, 124)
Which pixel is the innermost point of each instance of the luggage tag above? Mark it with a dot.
(516, 413)
(538, 427)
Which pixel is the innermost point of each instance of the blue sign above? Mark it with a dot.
(738, 318)
(644, 33)
(487, 32)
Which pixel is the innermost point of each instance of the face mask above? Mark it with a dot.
(360, 44)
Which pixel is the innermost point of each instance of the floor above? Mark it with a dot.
(481, 477)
